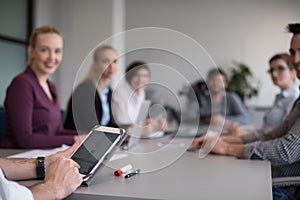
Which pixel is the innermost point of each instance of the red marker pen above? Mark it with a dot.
(122, 170)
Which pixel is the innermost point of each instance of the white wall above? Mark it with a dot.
(242, 30)
(84, 24)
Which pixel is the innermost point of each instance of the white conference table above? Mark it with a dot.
(183, 177)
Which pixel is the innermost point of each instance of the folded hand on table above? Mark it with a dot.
(211, 144)
(152, 126)
(236, 130)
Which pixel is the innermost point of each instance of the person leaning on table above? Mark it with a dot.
(32, 112)
(281, 146)
(61, 177)
(220, 105)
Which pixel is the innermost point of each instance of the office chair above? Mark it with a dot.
(286, 181)
(1, 122)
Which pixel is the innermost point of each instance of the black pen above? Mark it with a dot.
(132, 173)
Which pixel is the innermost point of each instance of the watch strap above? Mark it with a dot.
(40, 168)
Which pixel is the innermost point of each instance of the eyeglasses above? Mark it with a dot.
(279, 69)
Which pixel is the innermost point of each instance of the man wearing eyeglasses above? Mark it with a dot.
(281, 146)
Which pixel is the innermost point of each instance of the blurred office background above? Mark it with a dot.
(240, 30)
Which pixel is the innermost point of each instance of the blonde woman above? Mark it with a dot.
(32, 112)
(90, 103)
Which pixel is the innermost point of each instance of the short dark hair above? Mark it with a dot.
(217, 71)
(133, 68)
(294, 28)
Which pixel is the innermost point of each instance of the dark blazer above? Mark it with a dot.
(84, 109)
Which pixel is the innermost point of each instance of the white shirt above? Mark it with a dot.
(126, 104)
(12, 190)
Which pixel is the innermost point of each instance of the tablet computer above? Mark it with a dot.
(96, 149)
(138, 126)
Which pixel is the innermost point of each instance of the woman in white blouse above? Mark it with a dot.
(127, 98)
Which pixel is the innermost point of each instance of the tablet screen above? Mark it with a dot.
(93, 149)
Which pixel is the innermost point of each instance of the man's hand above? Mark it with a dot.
(211, 144)
(65, 154)
(219, 145)
(235, 129)
(61, 179)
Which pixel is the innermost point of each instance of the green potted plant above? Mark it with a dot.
(242, 81)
